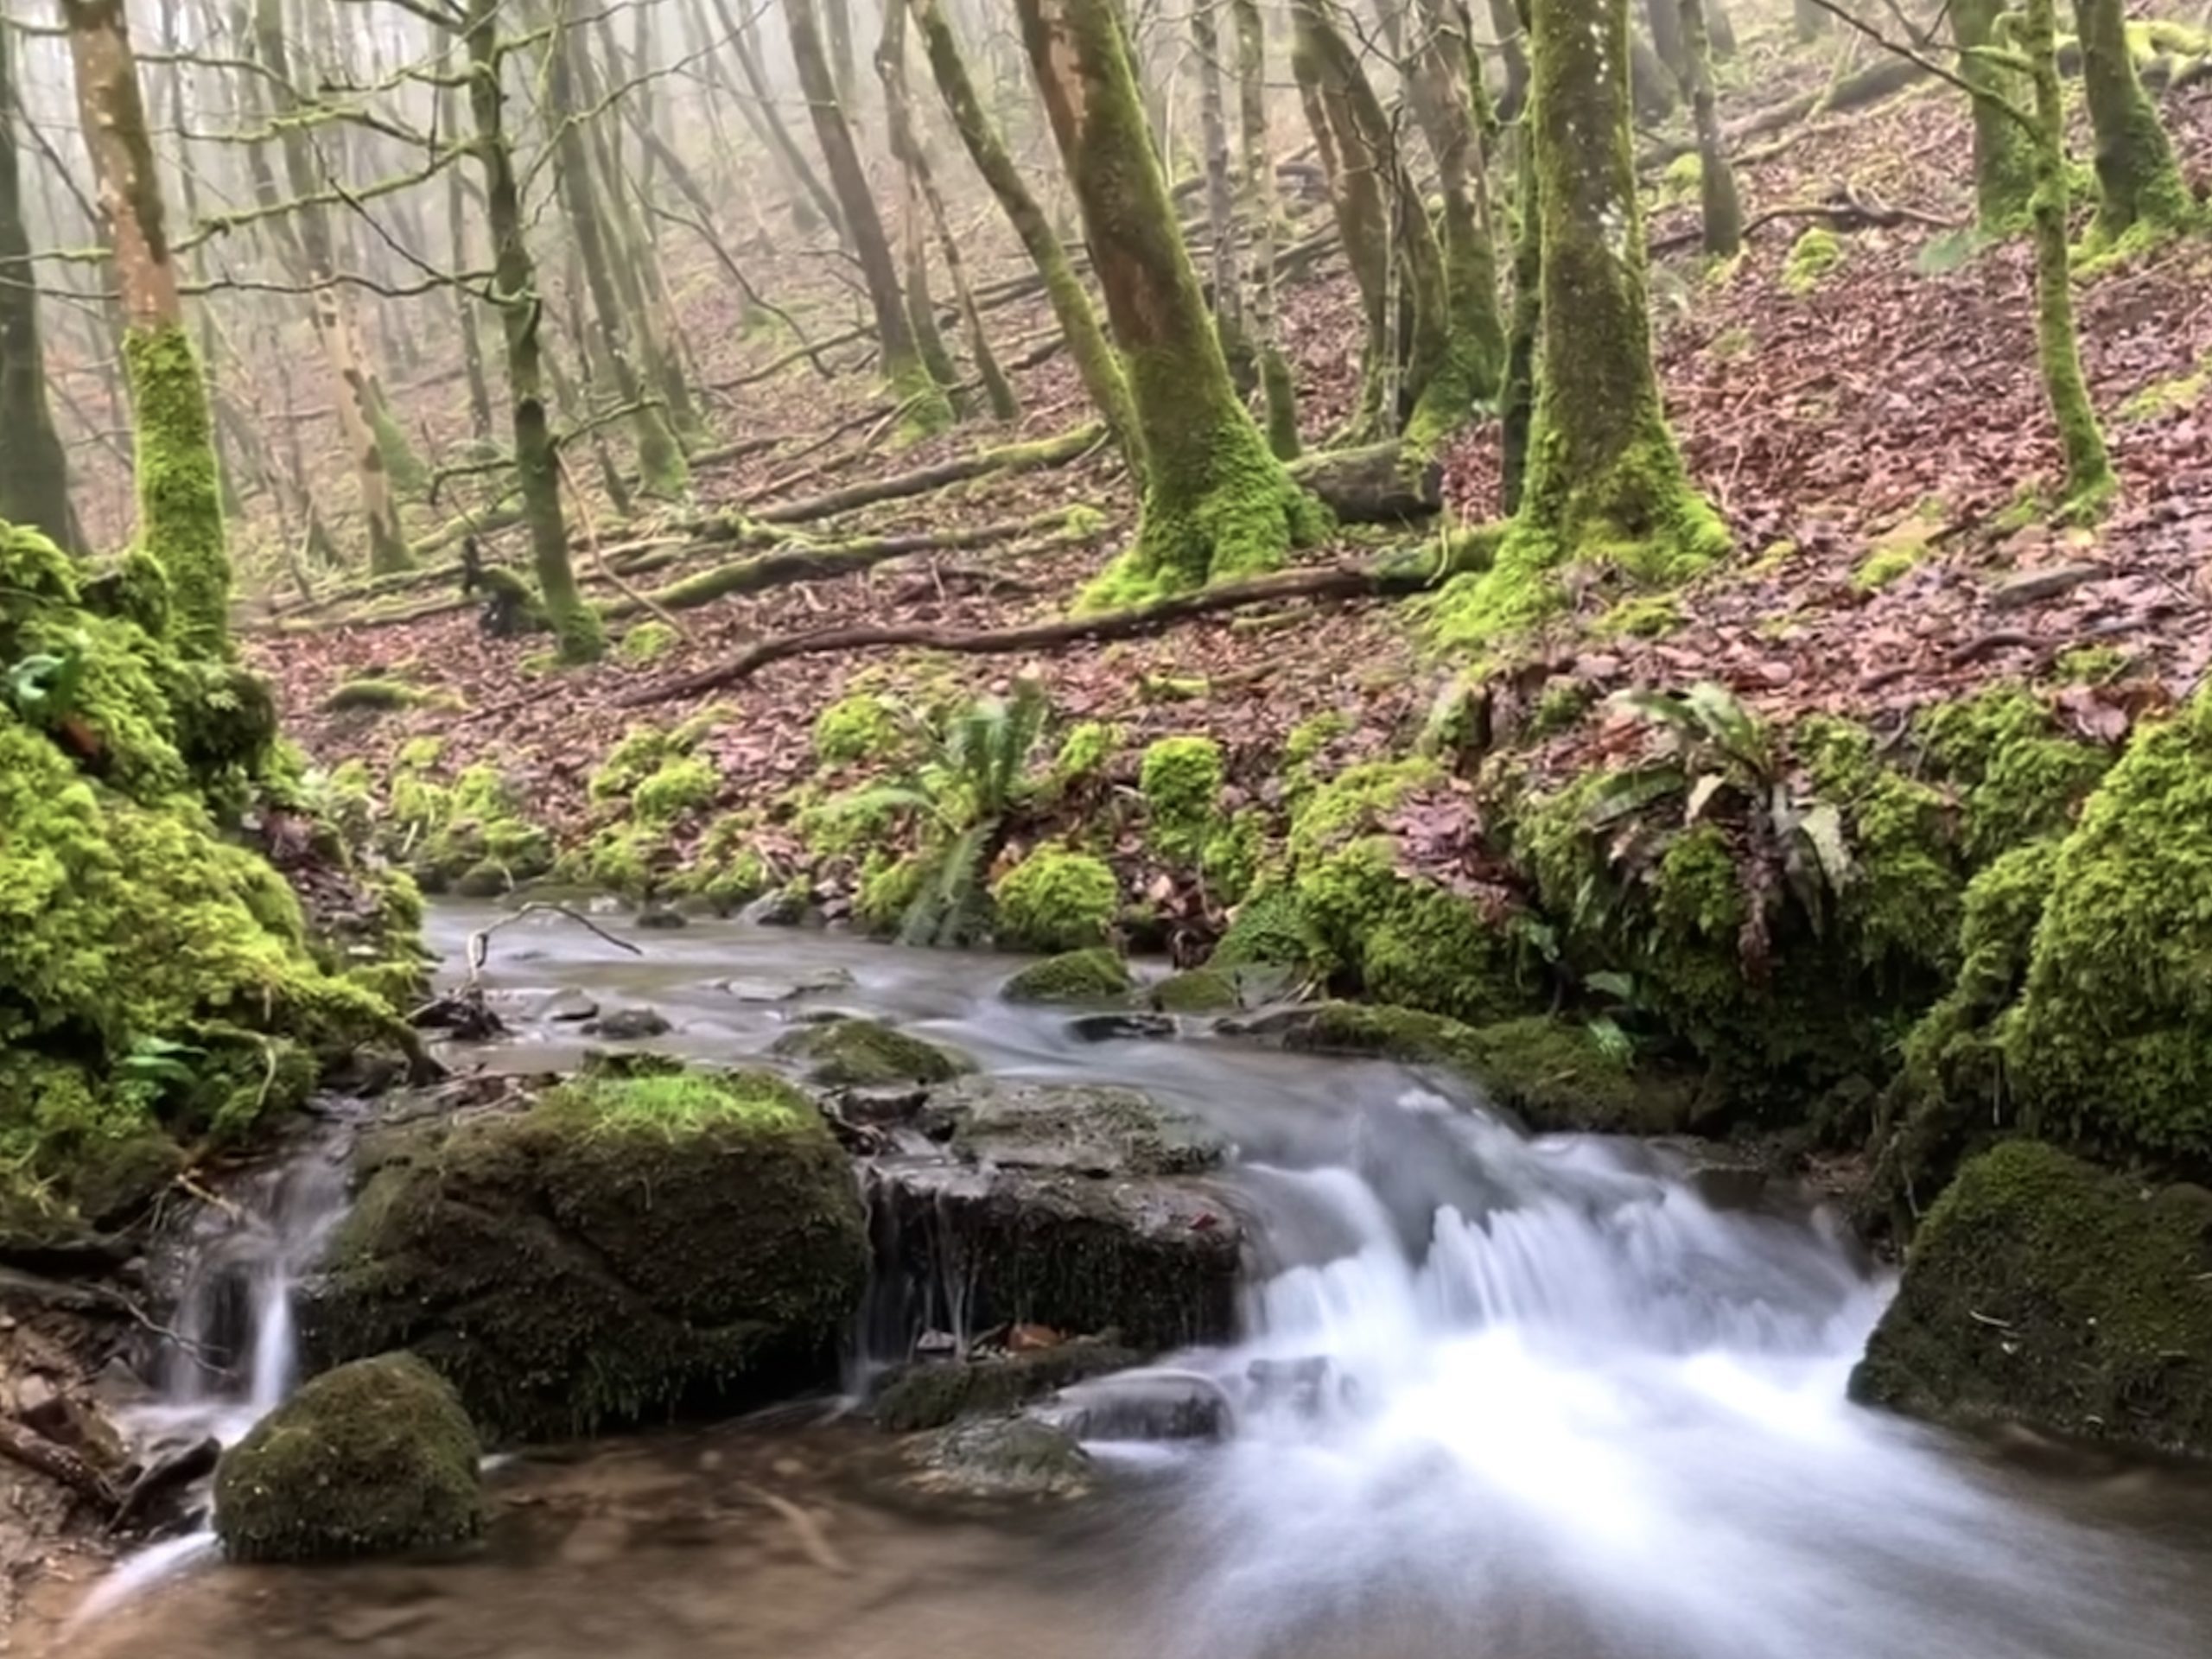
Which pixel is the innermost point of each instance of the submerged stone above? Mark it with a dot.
(2042, 1290)
(865, 1053)
(374, 1458)
(1002, 1457)
(626, 1247)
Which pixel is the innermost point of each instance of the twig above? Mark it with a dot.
(599, 558)
(479, 941)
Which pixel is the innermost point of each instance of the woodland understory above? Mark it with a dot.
(1791, 727)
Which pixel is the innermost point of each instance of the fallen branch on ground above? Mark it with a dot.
(57, 1463)
(1005, 457)
(1846, 210)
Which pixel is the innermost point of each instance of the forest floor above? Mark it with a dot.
(1875, 440)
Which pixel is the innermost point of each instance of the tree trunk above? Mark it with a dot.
(576, 625)
(906, 145)
(33, 470)
(1723, 209)
(179, 497)
(908, 378)
(465, 309)
(1095, 362)
(738, 31)
(2004, 148)
(1518, 403)
(355, 392)
(1668, 43)
(2089, 481)
(1513, 46)
(1604, 479)
(2137, 183)
(1217, 503)
(1256, 183)
(1227, 283)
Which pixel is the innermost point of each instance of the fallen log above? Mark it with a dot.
(1005, 457)
(1391, 576)
(1373, 484)
(1875, 81)
(57, 1463)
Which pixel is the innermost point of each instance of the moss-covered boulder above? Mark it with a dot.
(1096, 976)
(1202, 990)
(1056, 900)
(626, 1247)
(1556, 1074)
(866, 1054)
(1088, 1127)
(2042, 1290)
(374, 1458)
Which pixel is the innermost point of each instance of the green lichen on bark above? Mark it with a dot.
(2139, 182)
(2003, 162)
(180, 494)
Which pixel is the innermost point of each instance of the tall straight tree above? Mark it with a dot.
(179, 497)
(2137, 179)
(33, 470)
(1216, 502)
(926, 407)
(1256, 205)
(2004, 164)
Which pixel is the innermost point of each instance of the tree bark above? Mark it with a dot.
(2137, 182)
(1095, 362)
(33, 470)
(1722, 209)
(908, 378)
(1259, 206)
(1221, 214)
(2003, 160)
(180, 495)
(576, 626)
(1216, 502)
(465, 308)
(768, 119)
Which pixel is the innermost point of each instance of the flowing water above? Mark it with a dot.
(1531, 1399)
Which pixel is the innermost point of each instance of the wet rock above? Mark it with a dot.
(768, 989)
(1120, 1027)
(1203, 990)
(865, 1053)
(628, 1024)
(1096, 976)
(623, 1246)
(2044, 1291)
(1002, 1457)
(788, 908)
(1142, 1406)
(566, 1008)
(1081, 1129)
(662, 919)
(374, 1458)
(929, 1394)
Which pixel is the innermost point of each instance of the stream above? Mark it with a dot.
(1560, 1398)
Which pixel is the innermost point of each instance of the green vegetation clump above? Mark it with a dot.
(726, 869)
(648, 642)
(629, 762)
(865, 725)
(1885, 564)
(1055, 900)
(376, 1458)
(1085, 751)
(2022, 777)
(865, 1053)
(1815, 252)
(1202, 990)
(371, 694)
(1180, 778)
(676, 787)
(628, 1247)
(2045, 1291)
(1096, 975)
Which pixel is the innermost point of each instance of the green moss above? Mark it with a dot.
(179, 494)
(1560, 706)
(1096, 975)
(1180, 778)
(1651, 616)
(1202, 990)
(1055, 900)
(1356, 797)
(1899, 908)
(888, 890)
(1885, 564)
(1681, 177)
(376, 695)
(676, 787)
(931, 1394)
(1085, 752)
(631, 761)
(2111, 1043)
(1404, 939)
(2043, 1290)
(648, 642)
(2163, 398)
(2091, 666)
(2020, 775)
(863, 727)
(865, 1053)
(1816, 251)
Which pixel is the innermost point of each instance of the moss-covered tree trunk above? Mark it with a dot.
(364, 426)
(1517, 402)
(2138, 181)
(1258, 206)
(926, 408)
(908, 147)
(1722, 210)
(33, 470)
(576, 625)
(1096, 361)
(180, 495)
(2004, 160)
(1445, 79)
(1216, 502)
(2089, 481)
(1605, 478)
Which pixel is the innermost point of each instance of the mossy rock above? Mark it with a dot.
(372, 696)
(928, 1393)
(376, 1457)
(1555, 1074)
(2042, 1290)
(630, 1246)
(1083, 1128)
(1055, 900)
(1096, 975)
(1202, 990)
(865, 1053)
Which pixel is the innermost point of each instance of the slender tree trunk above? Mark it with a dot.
(739, 32)
(2138, 181)
(1227, 281)
(33, 470)
(1256, 183)
(1517, 402)
(927, 408)
(1722, 210)
(576, 625)
(179, 498)
(355, 394)
(2089, 481)
(1605, 478)
(2004, 158)
(908, 147)
(1513, 48)
(1668, 44)
(1095, 362)
(465, 308)
(1216, 502)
